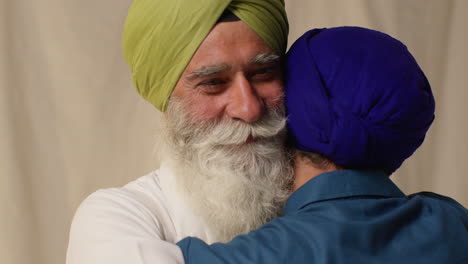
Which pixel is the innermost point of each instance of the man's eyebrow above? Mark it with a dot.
(265, 58)
(208, 70)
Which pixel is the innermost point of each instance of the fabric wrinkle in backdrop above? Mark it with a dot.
(71, 121)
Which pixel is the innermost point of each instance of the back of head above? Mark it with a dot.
(161, 36)
(358, 97)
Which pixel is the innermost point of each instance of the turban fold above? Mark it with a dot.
(358, 97)
(161, 36)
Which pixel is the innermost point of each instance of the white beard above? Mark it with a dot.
(235, 187)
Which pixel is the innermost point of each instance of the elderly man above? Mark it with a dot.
(358, 106)
(213, 67)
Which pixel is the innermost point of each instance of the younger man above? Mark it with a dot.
(358, 106)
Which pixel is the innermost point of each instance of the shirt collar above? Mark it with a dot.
(341, 184)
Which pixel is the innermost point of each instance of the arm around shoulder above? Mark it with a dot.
(271, 243)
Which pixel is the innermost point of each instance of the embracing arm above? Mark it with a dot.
(271, 243)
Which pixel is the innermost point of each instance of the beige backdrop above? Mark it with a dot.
(71, 122)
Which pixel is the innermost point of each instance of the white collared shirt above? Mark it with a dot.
(136, 224)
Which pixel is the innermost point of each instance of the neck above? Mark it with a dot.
(304, 171)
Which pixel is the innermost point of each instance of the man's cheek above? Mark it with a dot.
(275, 101)
(272, 93)
(206, 110)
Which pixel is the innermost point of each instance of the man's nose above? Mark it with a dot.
(245, 104)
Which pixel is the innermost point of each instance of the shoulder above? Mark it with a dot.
(137, 207)
(440, 201)
(124, 225)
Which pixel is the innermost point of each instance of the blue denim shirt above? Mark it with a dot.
(349, 216)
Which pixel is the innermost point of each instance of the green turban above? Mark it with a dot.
(161, 36)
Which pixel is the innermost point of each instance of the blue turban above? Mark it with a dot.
(358, 97)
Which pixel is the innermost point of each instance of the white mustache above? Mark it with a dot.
(236, 132)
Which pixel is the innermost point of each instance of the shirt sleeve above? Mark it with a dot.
(269, 244)
(112, 228)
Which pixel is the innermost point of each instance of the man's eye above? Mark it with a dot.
(265, 70)
(264, 74)
(213, 86)
(212, 82)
